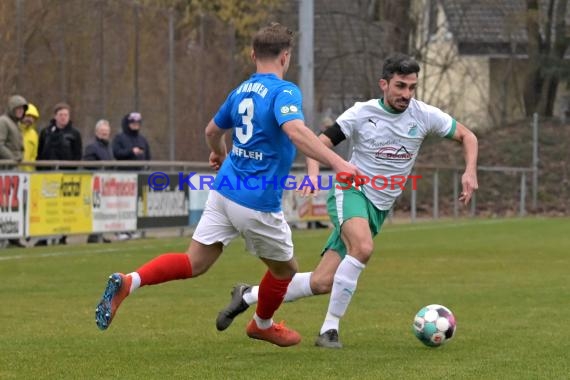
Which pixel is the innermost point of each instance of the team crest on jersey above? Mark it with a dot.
(390, 153)
(286, 109)
(412, 129)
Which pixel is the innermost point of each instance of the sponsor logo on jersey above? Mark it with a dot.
(290, 92)
(391, 153)
(284, 110)
(373, 122)
(412, 129)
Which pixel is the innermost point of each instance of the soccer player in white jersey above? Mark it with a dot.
(265, 115)
(386, 135)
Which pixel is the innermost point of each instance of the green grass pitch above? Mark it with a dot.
(507, 282)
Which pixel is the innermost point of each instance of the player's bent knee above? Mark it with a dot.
(199, 264)
(321, 284)
(198, 268)
(362, 251)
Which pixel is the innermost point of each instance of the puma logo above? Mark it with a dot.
(373, 122)
(290, 92)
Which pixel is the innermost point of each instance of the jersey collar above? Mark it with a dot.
(264, 75)
(387, 108)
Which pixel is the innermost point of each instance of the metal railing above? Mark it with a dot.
(456, 170)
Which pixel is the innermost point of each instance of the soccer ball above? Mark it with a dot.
(434, 325)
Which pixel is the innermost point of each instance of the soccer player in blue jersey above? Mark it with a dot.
(265, 115)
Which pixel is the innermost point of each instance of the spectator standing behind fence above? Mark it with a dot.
(99, 150)
(11, 146)
(59, 141)
(131, 145)
(28, 128)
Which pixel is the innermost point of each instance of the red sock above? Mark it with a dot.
(271, 294)
(167, 267)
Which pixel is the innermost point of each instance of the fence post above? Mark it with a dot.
(455, 195)
(306, 59)
(136, 57)
(62, 53)
(20, 47)
(522, 208)
(413, 204)
(436, 194)
(171, 79)
(534, 160)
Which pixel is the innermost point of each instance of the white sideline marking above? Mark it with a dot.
(76, 253)
(405, 228)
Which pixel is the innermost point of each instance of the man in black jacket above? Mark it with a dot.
(59, 141)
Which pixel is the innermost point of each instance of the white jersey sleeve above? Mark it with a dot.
(349, 120)
(438, 122)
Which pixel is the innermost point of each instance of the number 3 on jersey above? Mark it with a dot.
(245, 109)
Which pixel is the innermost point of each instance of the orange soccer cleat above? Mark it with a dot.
(277, 334)
(118, 287)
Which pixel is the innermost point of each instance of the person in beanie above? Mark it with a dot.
(131, 145)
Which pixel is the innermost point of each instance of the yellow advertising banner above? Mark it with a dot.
(60, 203)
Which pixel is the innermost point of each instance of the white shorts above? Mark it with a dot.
(266, 234)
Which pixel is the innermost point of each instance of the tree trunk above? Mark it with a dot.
(557, 48)
(399, 13)
(534, 80)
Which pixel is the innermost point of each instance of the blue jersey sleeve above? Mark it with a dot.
(288, 104)
(223, 117)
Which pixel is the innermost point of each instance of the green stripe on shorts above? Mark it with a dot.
(343, 205)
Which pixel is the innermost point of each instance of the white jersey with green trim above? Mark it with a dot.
(386, 143)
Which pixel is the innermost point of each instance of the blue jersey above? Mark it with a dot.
(255, 171)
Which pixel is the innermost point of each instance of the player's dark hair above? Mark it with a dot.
(271, 40)
(400, 64)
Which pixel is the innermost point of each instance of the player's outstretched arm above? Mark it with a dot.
(313, 168)
(470, 152)
(308, 143)
(217, 144)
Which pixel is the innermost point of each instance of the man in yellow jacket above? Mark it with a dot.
(30, 135)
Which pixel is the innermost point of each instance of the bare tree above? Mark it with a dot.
(547, 44)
